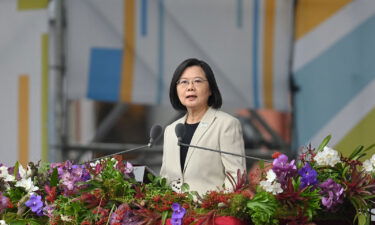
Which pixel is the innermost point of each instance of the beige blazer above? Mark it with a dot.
(205, 170)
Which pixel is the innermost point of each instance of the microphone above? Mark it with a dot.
(180, 131)
(155, 133)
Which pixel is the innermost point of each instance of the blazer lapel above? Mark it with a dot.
(203, 126)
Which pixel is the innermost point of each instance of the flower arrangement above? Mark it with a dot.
(320, 186)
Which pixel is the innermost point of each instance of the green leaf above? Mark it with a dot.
(185, 187)
(150, 177)
(262, 208)
(363, 219)
(163, 182)
(54, 178)
(296, 183)
(344, 171)
(16, 166)
(356, 152)
(368, 196)
(164, 216)
(324, 142)
(369, 147)
(24, 222)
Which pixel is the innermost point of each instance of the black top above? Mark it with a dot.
(186, 139)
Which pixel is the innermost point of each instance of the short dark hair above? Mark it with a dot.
(214, 100)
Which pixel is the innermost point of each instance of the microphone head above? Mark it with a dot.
(180, 131)
(155, 133)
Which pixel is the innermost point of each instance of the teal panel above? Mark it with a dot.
(329, 82)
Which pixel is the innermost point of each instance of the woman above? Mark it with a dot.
(193, 89)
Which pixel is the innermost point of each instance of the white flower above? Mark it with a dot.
(4, 174)
(327, 157)
(66, 218)
(373, 159)
(271, 176)
(24, 173)
(275, 188)
(272, 187)
(2, 222)
(369, 164)
(27, 184)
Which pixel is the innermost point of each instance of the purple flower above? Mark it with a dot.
(128, 168)
(4, 202)
(178, 214)
(332, 193)
(48, 210)
(124, 215)
(35, 204)
(308, 176)
(283, 169)
(70, 175)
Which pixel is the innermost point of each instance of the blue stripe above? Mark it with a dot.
(160, 89)
(144, 4)
(333, 79)
(239, 13)
(104, 74)
(255, 71)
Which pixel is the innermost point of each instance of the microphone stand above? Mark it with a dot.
(219, 151)
(122, 152)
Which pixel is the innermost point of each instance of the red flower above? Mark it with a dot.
(213, 198)
(104, 214)
(275, 155)
(95, 198)
(51, 193)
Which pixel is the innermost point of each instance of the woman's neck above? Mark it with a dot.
(195, 115)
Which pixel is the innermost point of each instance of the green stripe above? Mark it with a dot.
(31, 4)
(44, 109)
(361, 134)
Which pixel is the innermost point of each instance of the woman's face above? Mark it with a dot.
(193, 89)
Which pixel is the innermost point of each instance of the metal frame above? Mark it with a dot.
(59, 143)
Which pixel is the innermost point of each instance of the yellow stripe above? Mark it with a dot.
(269, 34)
(361, 134)
(311, 13)
(23, 119)
(44, 109)
(128, 52)
(32, 4)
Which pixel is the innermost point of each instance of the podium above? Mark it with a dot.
(141, 173)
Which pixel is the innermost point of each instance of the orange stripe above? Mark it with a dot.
(269, 34)
(311, 13)
(128, 52)
(23, 119)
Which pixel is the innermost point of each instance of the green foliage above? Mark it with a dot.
(236, 207)
(15, 194)
(16, 167)
(324, 143)
(54, 178)
(312, 205)
(262, 208)
(157, 186)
